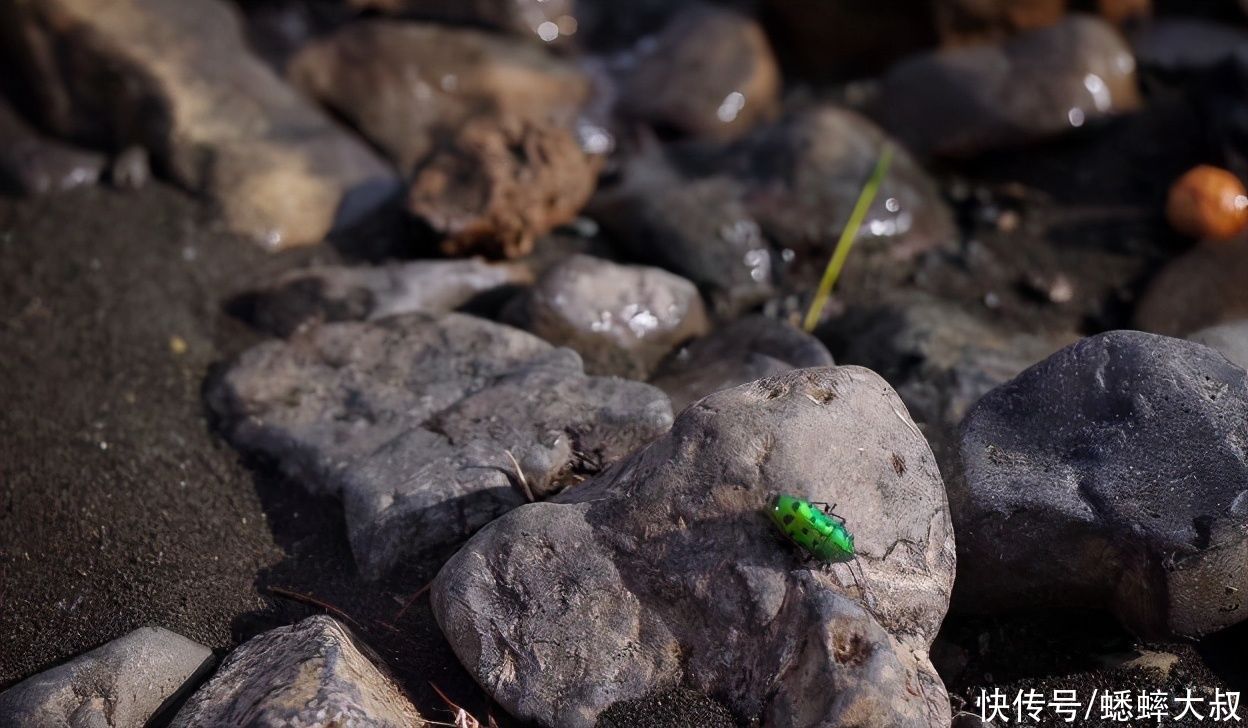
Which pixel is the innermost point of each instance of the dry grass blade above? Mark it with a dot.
(463, 719)
(848, 235)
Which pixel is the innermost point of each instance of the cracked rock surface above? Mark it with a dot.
(1112, 474)
(410, 420)
(313, 673)
(120, 685)
(665, 570)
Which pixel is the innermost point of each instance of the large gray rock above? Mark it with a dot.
(666, 570)
(403, 83)
(622, 319)
(754, 347)
(120, 685)
(411, 420)
(1113, 474)
(312, 674)
(179, 79)
(1037, 84)
(351, 293)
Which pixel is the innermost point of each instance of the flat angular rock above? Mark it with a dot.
(621, 319)
(1038, 84)
(403, 83)
(313, 674)
(120, 685)
(355, 293)
(410, 420)
(711, 73)
(1113, 474)
(754, 347)
(666, 569)
(179, 79)
(499, 183)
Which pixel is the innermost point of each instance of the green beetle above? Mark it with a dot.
(819, 532)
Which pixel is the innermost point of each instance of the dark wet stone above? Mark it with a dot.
(1038, 84)
(314, 673)
(124, 684)
(1185, 45)
(754, 347)
(804, 175)
(1111, 475)
(402, 84)
(699, 228)
(710, 73)
(34, 164)
(962, 22)
(849, 38)
(411, 419)
(541, 20)
(1201, 288)
(356, 293)
(665, 570)
(179, 79)
(498, 183)
(940, 358)
(621, 319)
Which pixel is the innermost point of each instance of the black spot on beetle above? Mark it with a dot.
(788, 518)
(797, 507)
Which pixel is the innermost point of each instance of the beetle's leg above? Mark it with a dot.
(828, 510)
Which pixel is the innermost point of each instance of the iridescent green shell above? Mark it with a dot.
(820, 535)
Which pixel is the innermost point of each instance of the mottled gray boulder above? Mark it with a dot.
(1040, 83)
(1230, 339)
(179, 79)
(34, 164)
(403, 83)
(410, 420)
(666, 570)
(1113, 474)
(312, 674)
(353, 293)
(621, 319)
(754, 347)
(709, 73)
(698, 228)
(939, 357)
(120, 685)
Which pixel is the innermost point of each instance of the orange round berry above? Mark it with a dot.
(1208, 203)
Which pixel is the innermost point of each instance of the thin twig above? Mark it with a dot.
(848, 235)
(411, 600)
(295, 596)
